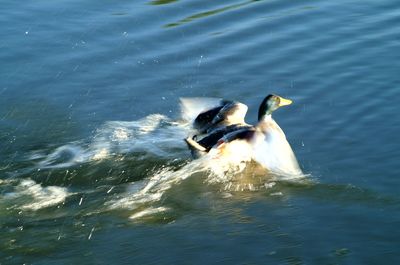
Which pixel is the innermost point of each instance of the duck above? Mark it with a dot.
(225, 134)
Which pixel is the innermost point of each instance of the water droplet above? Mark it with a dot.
(110, 189)
(91, 233)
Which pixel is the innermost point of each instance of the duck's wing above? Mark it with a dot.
(205, 119)
(245, 133)
(191, 107)
(232, 112)
(204, 145)
(226, 114)
(235, 147)
(195, 148)
(225, 134)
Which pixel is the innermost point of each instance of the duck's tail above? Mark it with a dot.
(195, 148)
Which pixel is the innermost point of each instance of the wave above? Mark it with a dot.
(26, 194)
(141, 198)
(158, 136)
(155, 134)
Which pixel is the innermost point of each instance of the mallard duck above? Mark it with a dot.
(232, 137)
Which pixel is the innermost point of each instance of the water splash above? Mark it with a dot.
(152, 189)
(64, 156)
(148, 211)
(155, 134)
(142, 196)
(26, 194)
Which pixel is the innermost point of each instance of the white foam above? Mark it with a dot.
(269, 185)
(155, 134)
(64, 156)
(151, 190)
(276, 194)
(213, 169)
(101, 154)
(34, 196)
(142, 195)
(148, 211)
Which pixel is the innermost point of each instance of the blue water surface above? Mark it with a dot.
(88, 90)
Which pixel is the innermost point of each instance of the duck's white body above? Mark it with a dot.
(272, 150)
(264, 143)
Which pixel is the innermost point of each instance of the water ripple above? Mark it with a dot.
(209, 13)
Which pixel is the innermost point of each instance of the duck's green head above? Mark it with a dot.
(271, 103)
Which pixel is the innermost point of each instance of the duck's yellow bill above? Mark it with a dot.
(284, 102)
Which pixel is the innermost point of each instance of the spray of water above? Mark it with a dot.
(26, 194)
(161, 137)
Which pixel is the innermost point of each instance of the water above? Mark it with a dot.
(93, 169)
